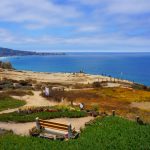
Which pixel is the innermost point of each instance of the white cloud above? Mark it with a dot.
(119, 6)
(88, 2)
(129, 6)
(104, 23)
(83, 41)
(36, 11)
(87, 28)
(5, 36)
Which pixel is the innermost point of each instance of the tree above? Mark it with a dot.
(6, 65)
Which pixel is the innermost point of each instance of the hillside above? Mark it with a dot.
(4, 52)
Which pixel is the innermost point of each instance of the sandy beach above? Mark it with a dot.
(61, 78)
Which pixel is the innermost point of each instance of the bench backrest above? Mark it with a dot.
(53, 125)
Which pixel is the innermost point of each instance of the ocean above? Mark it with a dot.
(131, 66)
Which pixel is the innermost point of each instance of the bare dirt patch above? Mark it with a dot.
(141, 105)
(36, 100)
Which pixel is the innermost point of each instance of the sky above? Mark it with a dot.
(75, 25)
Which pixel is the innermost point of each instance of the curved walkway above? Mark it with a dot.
(23, 128)
(8, 111)
(36, 100)
(32, 100)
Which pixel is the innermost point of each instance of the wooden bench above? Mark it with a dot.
(55, 128)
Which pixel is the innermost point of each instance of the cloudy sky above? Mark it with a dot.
(75, 25)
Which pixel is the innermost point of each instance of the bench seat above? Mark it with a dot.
(55, 131)
(55, 128)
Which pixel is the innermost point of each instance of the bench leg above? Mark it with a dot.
(37, 123)
(69, 131)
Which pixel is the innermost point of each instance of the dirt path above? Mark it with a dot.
(23, 128)
(141, 105)
(32, 100)
(8, 111)
(36, 100)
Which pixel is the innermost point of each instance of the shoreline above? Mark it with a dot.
(58, 77)
(132, 77)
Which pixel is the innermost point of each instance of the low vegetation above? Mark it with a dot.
(81, 86)
(3, 131)
(96, 85)
(109, 133)
(7, 102)
(18, 92)
(21, 117)
(108, 99)
(116, 94)
(7, 84)
(140, 87)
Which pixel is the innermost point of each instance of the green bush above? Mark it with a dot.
(95, 107)
(18, 117)
(66, 108)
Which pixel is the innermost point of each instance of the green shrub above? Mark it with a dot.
(95, 107)
(66, 108)
(19, 117)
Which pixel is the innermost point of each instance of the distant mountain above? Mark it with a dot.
(4, 52)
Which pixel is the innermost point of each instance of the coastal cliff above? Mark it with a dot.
(4, 52)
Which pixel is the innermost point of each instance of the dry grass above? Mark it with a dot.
(109, 99)
(18, 92)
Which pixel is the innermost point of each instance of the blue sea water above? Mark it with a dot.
(131, 66)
